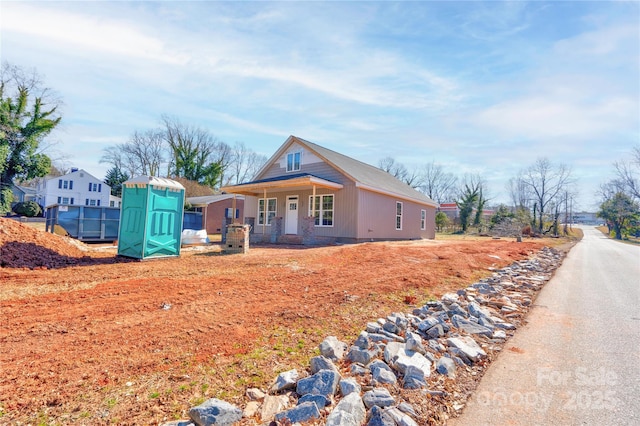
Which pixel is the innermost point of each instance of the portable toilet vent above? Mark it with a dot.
(151, 218)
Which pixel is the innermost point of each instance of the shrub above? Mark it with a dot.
(28, 208)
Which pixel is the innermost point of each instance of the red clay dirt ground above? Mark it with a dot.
(87, 337)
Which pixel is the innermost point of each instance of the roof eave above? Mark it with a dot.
(256, 188)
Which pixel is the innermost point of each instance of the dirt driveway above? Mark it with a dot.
(88, 338)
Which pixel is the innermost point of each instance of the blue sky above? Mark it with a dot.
(479, 87)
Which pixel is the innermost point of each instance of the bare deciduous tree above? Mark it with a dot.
(546, 183)
(400, 172)
(627, 174)
(437, 184)
(146, 149)
(244, 164)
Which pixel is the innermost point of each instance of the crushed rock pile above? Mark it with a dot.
(22, 246)
(404, 369)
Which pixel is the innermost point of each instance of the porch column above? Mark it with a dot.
(264, 217)
(313, 203)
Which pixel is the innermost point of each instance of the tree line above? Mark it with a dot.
(541, 195)
(620, 206)
(180, 151)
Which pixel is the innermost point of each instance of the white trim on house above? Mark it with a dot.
(267, 211)
(399, 214)
(321, 210)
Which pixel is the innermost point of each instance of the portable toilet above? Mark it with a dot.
(151, 217)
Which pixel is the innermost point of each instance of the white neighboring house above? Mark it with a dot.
(77, 188)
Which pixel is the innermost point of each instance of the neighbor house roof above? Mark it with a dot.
(205, 200)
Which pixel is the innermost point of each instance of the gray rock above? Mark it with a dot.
(400, 320)
(499, 334)
(373, 327)
(379, 397)
(486, 322)
(285, 380)
(348, 386)
(399, 417)
(449, 298)
(414, 378)
(318, 363)
(459, 357)
(179, 423)
(455, 309)
(381, 373)
(469, 326)
(436, 331)
(392, 351)
(468, 346)
(407, 408)
(446, 366)
(300, 413)
(362, 356)
(427, 323)
(363, 340)
(436, 346)
(379, 418)
(358, 370)
(324, 382)
(215, 412)
(505, 325)
(406, 359)
(349, 411)
(333, 348)
(413, 342)
(390, 327)
(378, 337)
(320, 400)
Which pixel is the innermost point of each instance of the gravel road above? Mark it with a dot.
(577, 361)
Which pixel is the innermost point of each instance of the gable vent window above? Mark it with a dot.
(293, 161)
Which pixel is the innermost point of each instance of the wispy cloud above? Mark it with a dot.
(99, 35)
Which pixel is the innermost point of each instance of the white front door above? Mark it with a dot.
(291, 221)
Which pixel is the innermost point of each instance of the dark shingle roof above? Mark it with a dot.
(366, 174)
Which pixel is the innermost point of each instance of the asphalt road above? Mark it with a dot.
(577, 360)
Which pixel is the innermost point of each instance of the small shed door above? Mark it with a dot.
(291, 221)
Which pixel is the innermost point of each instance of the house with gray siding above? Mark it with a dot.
(310, 194)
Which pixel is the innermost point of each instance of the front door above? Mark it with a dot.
(291, 221)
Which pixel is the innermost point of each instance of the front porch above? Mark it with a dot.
(294, 197)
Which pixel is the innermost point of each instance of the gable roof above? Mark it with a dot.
(364, 175)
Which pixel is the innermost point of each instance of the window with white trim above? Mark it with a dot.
(423, 219)
(398, 216)
(322, 209)
(271, 210)
(95, 187)
(294, 161)
(65, 184)
(65, 200)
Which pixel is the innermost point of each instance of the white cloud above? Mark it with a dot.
(88, 32)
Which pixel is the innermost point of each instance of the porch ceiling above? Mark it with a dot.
(278, 185)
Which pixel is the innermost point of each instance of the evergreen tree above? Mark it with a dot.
(114, 178)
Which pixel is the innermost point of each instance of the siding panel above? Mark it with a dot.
(377, 218)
